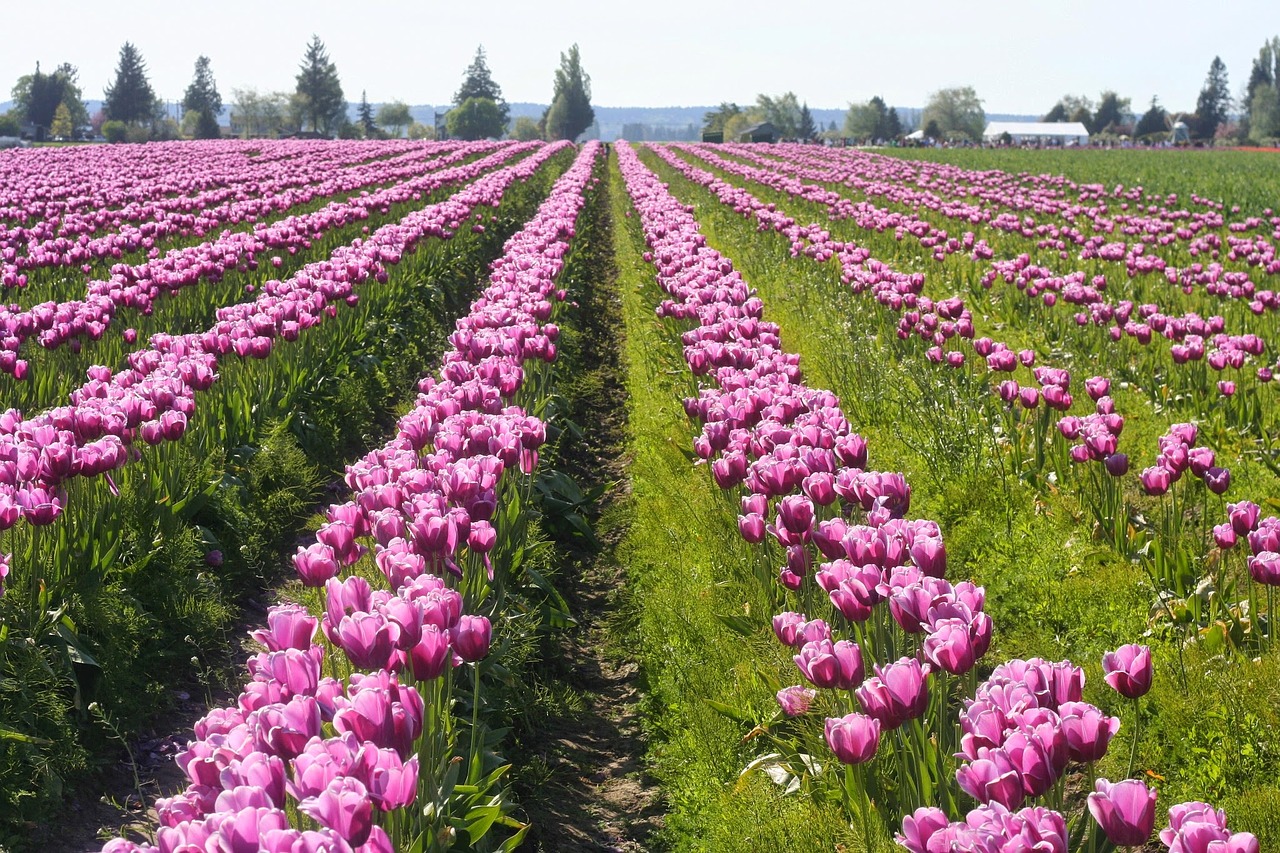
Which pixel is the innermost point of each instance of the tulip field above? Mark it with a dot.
(951, 519)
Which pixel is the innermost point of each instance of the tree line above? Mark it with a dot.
(957, 115)
(51, 106)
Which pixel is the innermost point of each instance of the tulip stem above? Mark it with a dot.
(1133, 743)
(475, 720)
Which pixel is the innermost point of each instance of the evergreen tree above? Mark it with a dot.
(37, 96)
(1152, 121)
(203, 99)
(715, 120)
(489, 115)
(365, 116)
(202, 95)
(1214, 100)
(893, 124)
(320, 99)
(806, 129)
(130, 98)
(1113, 110)
(1058, 113)
(570, 113)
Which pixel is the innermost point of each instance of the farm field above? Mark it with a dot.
(674, 496)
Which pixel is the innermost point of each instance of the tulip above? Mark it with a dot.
(897, 693)
(826, 664)
(472, 637)
(1087, 729)
(796, 700)
(1156, 480)
(1128, 670)
(1126, 811)
(1264, 567)
(853, 738)
(345, 807)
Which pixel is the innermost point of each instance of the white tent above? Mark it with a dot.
(915, 134)
(1057, 132)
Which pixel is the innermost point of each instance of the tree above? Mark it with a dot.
(130, 98)
(1262, 93)
(477, 82)
(1112, 111)
(319, 92)
(1214, 101)
(783, 112)
(715, 120)
(418, 130)
(10, 123)
(1154, 120)
(202, 95)
(570, 113)
(475, 118)
(860, 121)
(893, 124)
(61, 127)
(37, 96)
(525, 129)
(807, 129)
(957, 111)
(394, 117)
(1058, 113)
(364, 115)
(254, 114)
(932, 130)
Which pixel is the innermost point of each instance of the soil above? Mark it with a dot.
(595, 793)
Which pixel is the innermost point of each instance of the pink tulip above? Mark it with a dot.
(853, 738)
(1126, 811)
(1128, 670)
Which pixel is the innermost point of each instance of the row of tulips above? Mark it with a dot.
(305, 761)
(1031, 438)
(842, 532)
(137, 287)
(164, 197)
(154, 396)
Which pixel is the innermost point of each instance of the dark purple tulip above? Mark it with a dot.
(1243, 516)
(1218, 480)
(1117, 464)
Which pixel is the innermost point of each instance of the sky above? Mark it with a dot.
(1020, 56)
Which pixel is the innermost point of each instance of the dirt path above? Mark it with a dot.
(594, 793)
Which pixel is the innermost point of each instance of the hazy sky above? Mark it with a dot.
(1019, 56)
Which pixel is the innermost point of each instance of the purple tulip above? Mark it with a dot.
(472, 637)
(831, 665)
(853, 738)
(1128, 670)
(898, 692)
(1217, 480)
(920, 826)
(1117, 464)
(1156, 480)
(1243, 516)
(796, 700)
(1087, 729)
(315, 564)
(1126, 811)
(345, 807)
(993, 779)
(1264, 567)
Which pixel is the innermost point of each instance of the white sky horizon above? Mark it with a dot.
(1020, 58)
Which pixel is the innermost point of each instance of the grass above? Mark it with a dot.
(690, 570)
(1052, 590)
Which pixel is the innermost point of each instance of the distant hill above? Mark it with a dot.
(655, 123)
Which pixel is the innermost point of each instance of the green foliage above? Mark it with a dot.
(255, 114)
(1214, 101)
(394, 117)
(1112, 112)
(320, 100)
(477, 82)
(207, 126)
(525, 129)
(715, 120)
(10, 124)
(37, 97)
(364, 115)
(570, 113)
(806, 129)
(956, 111)
(872, 120)
(783, 112)
(130, 98)
(114, 131)
(1153, 122)
(476, 118)
(202, 94)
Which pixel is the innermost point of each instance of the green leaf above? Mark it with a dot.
(738, 623)
(730, 712)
